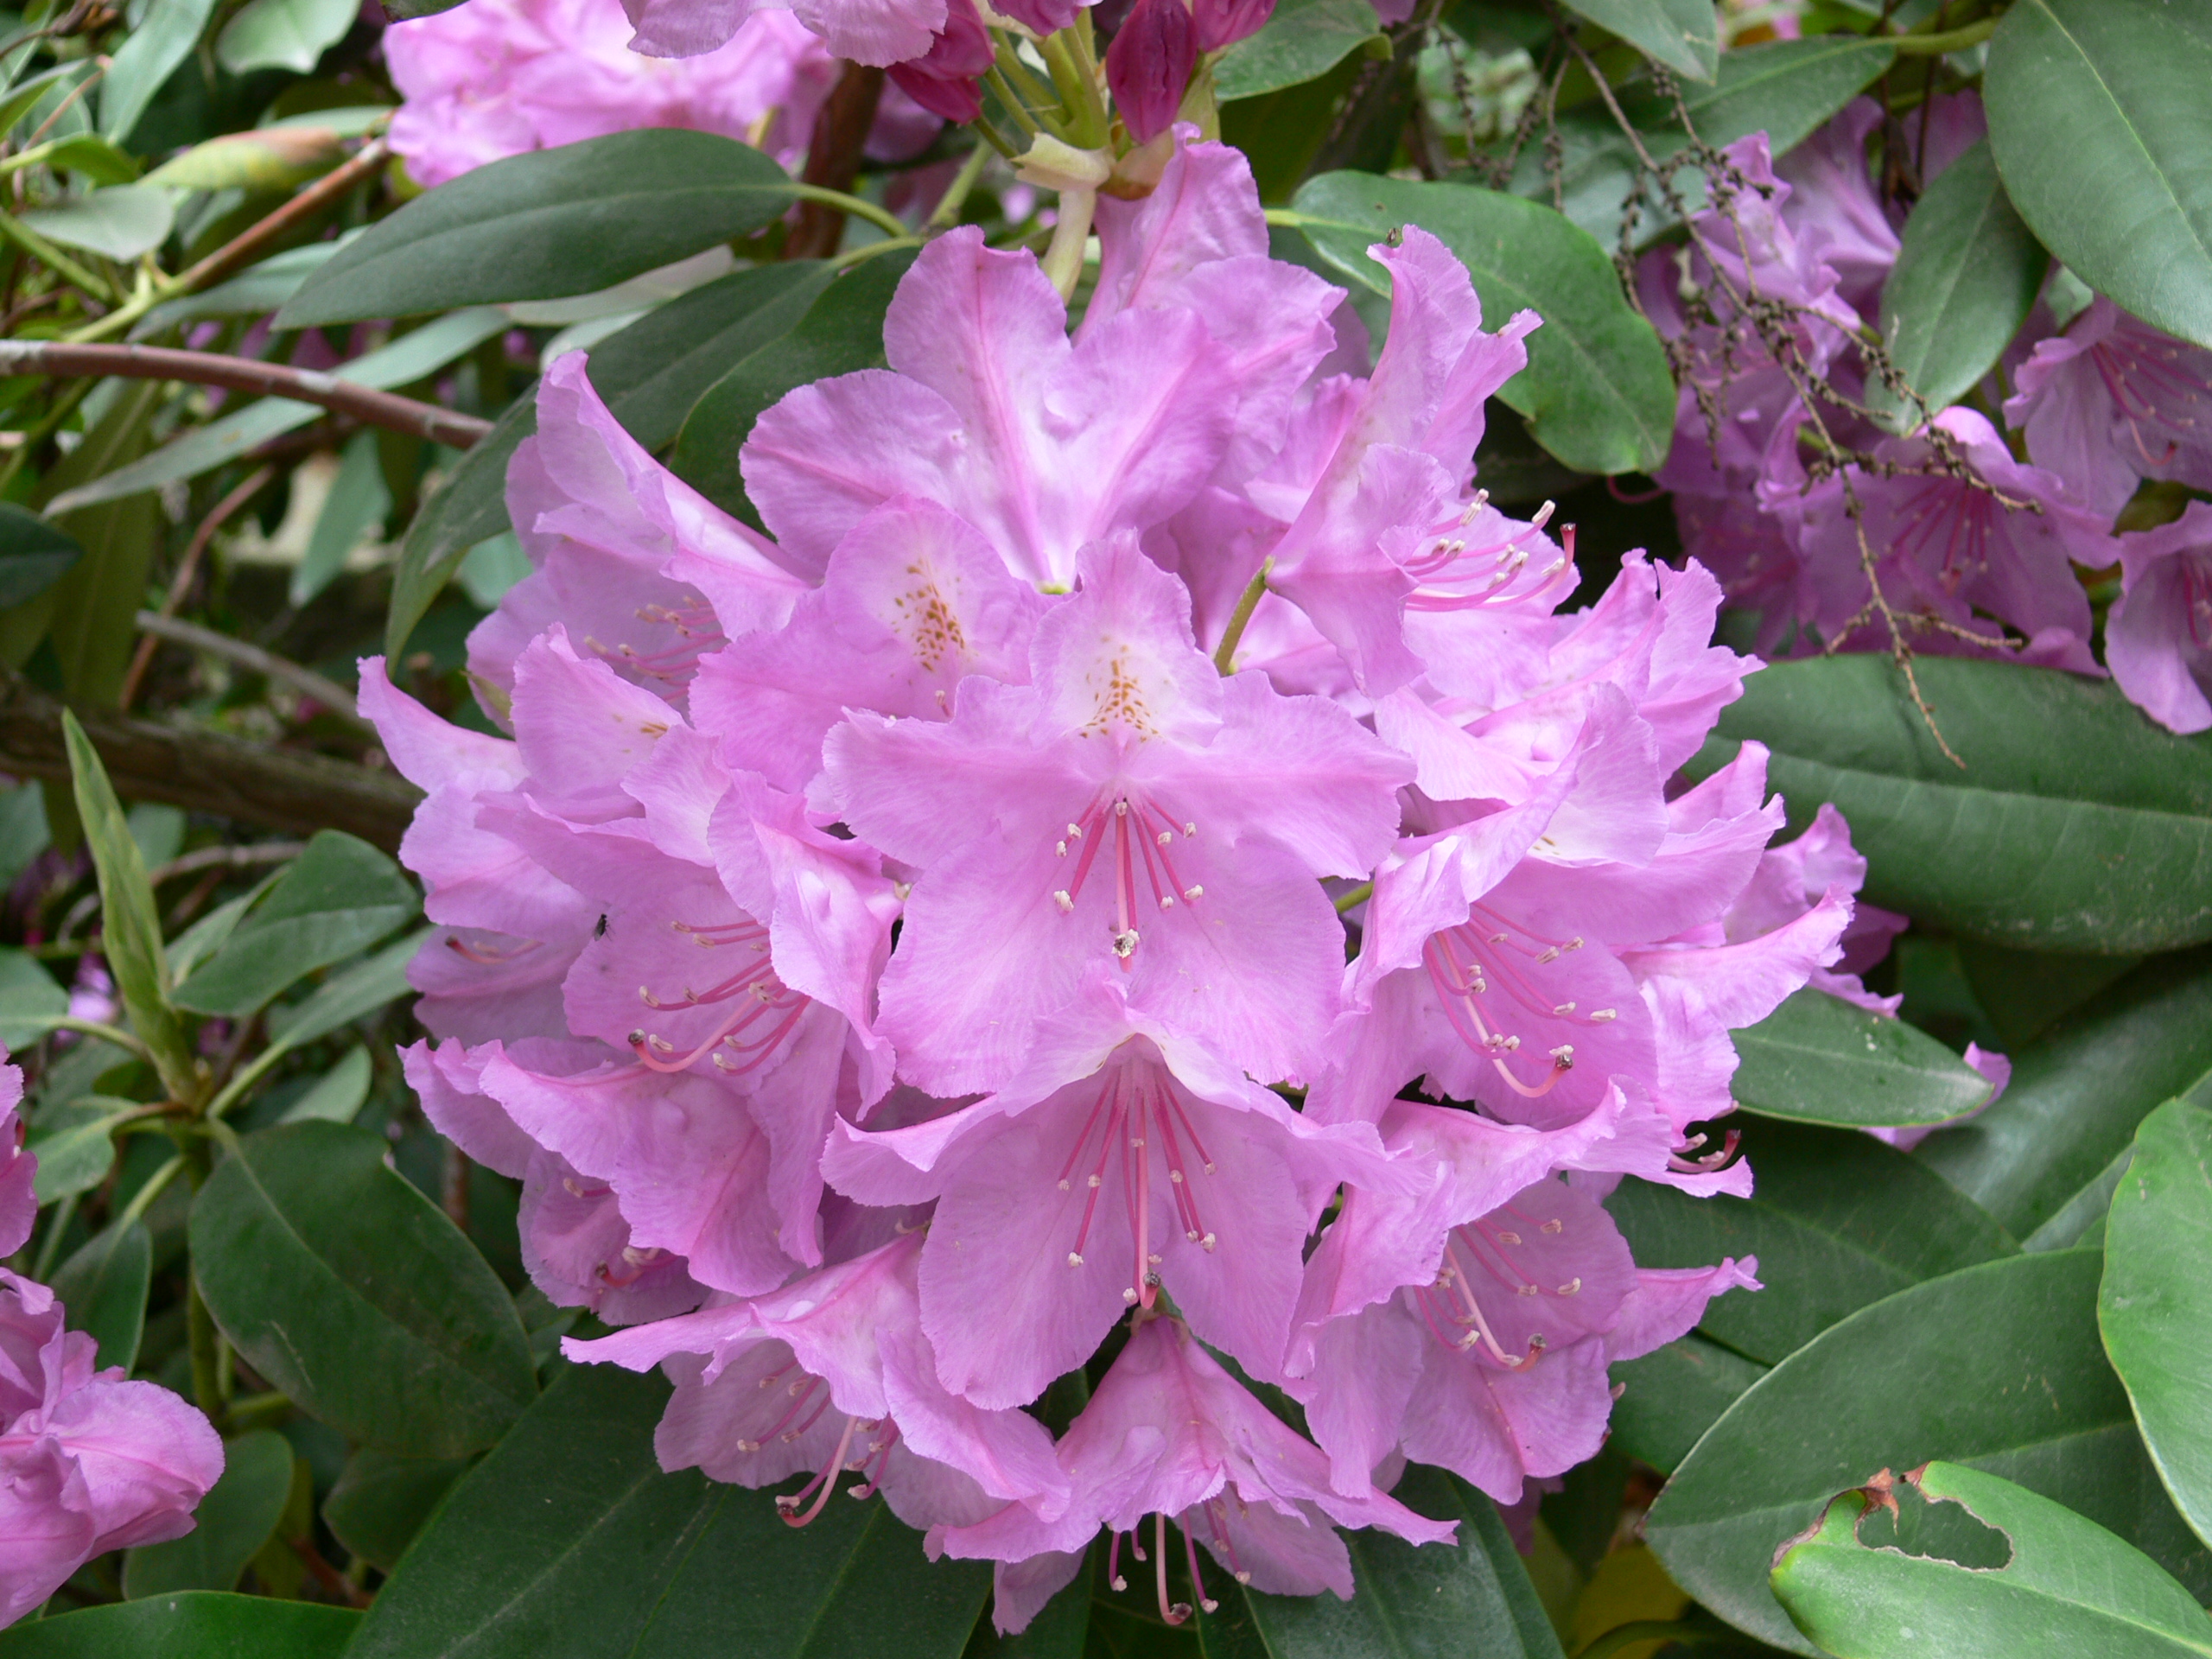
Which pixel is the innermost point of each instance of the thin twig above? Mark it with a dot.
(305, 681)
(187, 568)
(246, 374)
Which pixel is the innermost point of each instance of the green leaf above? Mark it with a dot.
(93, 156)
(130, 926)
(339, 1095)
(1786, 89)
(469, 507)
(29, 1000)
(283, 35)
(841, 331)
(1597, 393)
(355, 508)
(2099, 121)
(1964, 278)
(2023, 992)
(2043, 1158)
(120, 222)
(1412, 1602)
(104, 1287)
(1996, 1366)
(205, 936)
(61, 79)
(381, 1502)
(1820, 1059)
(1680, 33)
(353, 1294)
(196, 1624)
(406, 360)
(2076, 824)
(1671, 1396)
(1837, 1220)
(2067, 1586)
(258, 289)
(2155, 1306)
(404, 9)
(232, 1522)
(148, 56)
(265, 158)
(340, 896)
(1302, 42)
(74, 1150)
(516, 1563)
(34, 554)
(548, 224)
(354, 994)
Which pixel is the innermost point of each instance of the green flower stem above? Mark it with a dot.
(888, 223)
(1015, 107)
(1935, 46)
(1224, 654)
(947, 212)
(198, 1158)
(869, 250)
(56, 261)
(50, 1246)
(142, 1199)
(1358, 896)
(1076, 76)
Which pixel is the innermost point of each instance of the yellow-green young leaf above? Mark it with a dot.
(271, 158)
(131, 928)
(2063, 1586)
(2155, 1306)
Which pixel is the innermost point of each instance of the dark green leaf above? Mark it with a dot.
(339, 1095)
(2076, 824)
(1597, 393)
(1995, 1366)
(1670, 1397)
(469, 507)
(2067, 1586)
(548, 224)
(73, 1147)
(344, 998)
(400, 9)
(1680, 33)
(1786, 89)
(233, 1521)
(1819, 1059)
(1409, 1602)
(2037, 1159)
(352, 1293)
(2022, 992)
(517, 1564)
(355, 508)
(146, 59)
(197, 1625)
(1303, 41)
(341, 896)
(1837, 1220)
(1964, 278)
(2155, 1308)
(2097, 119)
(381, 1502)
(29, 1000)
(34, 554)
(104, 1287)
(130, 927)
(841, 331)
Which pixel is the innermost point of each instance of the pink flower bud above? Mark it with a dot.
(1149, 64)
(947, 79)
(1224, 22)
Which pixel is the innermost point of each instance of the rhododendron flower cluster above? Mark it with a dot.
(90, 1461)
(1138, 853)
(1974, 548)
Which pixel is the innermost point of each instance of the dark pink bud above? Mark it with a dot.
(1224, 22)
(1044, 16)
(947, 79)
(1149, 64)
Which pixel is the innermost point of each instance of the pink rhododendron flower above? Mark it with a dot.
(2159, 637)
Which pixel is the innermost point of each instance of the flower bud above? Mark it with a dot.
(1149, 64)
(947, 79)
(1224, 22)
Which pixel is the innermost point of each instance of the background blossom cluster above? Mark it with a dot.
(1139, 806)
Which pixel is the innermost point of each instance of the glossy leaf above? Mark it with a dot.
(2076, 824)
(283, 35)
(2067, 1586)
(104, 1287)
(338, 898)
(1680, 33)
(2041, 1159)
(1996, 1366)
(338, 1097)
(547, 224)
(121, 222)
(469, 507)
(353, 1294)
(841, 331)
(1671, 1396)
(196, 1624)
(1302, 42)
(1786, 89)
(148, 56)
(2155, 1306)
(231, 436)
(130, 927)
(1965, 278)
(381, 1502)
(1820, 1059)
(344, 998)
(1412, 1602)
(232, 1522)
(74, 1146)
(34, 554)
(516, 1565)
(1837, 1220)
(2099, 125)
(1597, 393)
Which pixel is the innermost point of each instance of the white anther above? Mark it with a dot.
(1509, 1238)
(1074, 1261)
(1554, 1225)
(1570, 1287)
(1564, 1007)
(1125, 943)
(1551, 954)
(1062, 899)
(1599, 1016)
(1194, 894)
(1165, 838)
